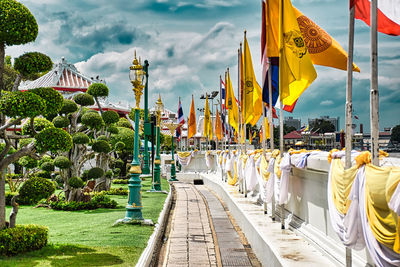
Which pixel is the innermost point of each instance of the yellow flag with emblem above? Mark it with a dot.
(208, 129)
(231, 104)
(296, 70)
(192, 121)
(252, 99)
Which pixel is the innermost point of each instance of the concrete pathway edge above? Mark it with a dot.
(154, 240)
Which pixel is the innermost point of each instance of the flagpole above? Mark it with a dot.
(349, 108)
(240, 118)
(374, 93)
(244, 112)
(281, 109)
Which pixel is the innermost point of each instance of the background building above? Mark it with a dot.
(334, 121)
(290, 121)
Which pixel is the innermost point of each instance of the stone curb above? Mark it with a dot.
(154, 240)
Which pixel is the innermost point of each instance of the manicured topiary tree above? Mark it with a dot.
(98, 90)
(122, 143)
(31, 66)
(17, 26)
(37, 137)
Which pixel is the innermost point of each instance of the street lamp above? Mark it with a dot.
(156, 186)
(134, 206)
(172, 128)
(147, 125)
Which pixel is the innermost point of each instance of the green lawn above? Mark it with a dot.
(87, 238)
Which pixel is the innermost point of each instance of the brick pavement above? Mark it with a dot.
(191, 241)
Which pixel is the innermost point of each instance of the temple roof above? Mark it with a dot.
(63, 77)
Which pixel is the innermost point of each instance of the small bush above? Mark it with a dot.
(110, 116)
(61, 122)
(123, 122)
(27, 162)
(43, 174)
(84, 99)
(92, 120)
(98, 201)
(59, 180)
(62, 162)
(98, 90)
(34, 189)
(80, 138)
(112, 129)
(22, 238)
(69, 106)
(39, 124)
(47, 166)
(75, 182)
(117, 191)
(54, 100)
(95, 173)
(54, 140)
(102, 138)
(101, 146)
(120, 181)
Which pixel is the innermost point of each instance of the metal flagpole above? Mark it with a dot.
(271, 127)
(263, 148)
(349, 108)
(222, 142)
(281, 109)
(240, 127)
(374, 93)
(243, 97)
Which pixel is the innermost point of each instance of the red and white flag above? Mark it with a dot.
(388, 14)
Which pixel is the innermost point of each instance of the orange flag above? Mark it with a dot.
(218, 127)
(192, 121)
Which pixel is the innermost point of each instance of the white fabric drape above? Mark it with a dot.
(250, 174)
(284, 181)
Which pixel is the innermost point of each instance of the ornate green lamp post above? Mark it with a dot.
(156, 187)
(172, 127)
(147, 126)
(134, 206)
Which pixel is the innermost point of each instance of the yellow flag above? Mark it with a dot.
(323, 48)
(218, 127)
(231, 104)
(192, 121)
(296, 71)
(208, 129)
(252, 95)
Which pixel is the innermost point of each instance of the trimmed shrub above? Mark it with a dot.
(120, 181)
(84, 99)
(22, 238)
(62, 162)
(61, 122)
(18, 25)
(84, 175)
(27, 162)
(47, 166)
(123, 122)
(34, 189)
(39, 124)
(59, 180)
(80, 138)
(69, 106)
(98, 201)
(95, 173)
(119, 163)
(54, 140)
(117, 191)
(43, 174)
(92, 120)
(75, 182)
(31, 64)
(110, 116)
(45, 158)
(54, 100)
(98, 90)
(126, 136)
(22, 104)
(112, 129)
(119, 146)
(101, 146)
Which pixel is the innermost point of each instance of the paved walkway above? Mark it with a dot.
(194, 240)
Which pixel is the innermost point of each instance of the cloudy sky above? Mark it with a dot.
(189, 43)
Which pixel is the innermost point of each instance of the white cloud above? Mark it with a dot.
(327, 103)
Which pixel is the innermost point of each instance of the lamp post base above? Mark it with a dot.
(134, 221)
(173, 174)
